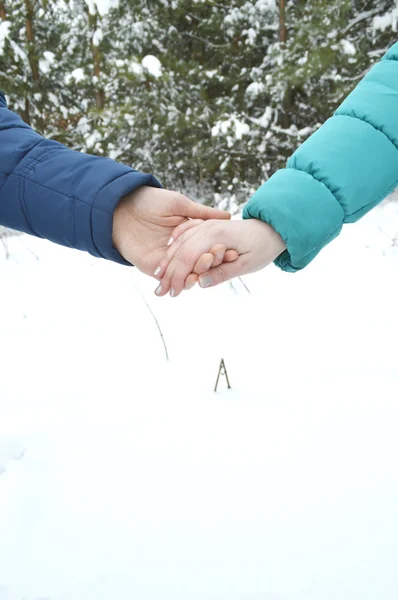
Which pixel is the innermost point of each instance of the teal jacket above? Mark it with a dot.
(340, 173)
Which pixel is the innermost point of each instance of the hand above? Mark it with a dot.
(144, 222)
(256, 243)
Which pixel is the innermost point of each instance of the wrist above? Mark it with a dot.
(274, 243)
(121, 219)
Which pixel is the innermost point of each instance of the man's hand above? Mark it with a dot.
(144, 221)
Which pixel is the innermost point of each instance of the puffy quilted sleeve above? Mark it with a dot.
(53, 192)
(341, 172)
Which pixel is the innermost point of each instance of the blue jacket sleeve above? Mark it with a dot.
(53, 192)
(342, 171)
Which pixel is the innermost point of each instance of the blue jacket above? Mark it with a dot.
(342, 171)
(52, 192)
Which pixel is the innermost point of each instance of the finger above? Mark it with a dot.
(195, 210)
(204, 264)
(223, 273)
(191, 281)
(211, 259)
(220, 255)
(160, 270)
(230, 256)
(181, 264)
(219, 252)
(180, 229)
(190, 248)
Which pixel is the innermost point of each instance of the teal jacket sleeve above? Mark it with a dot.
(340, 173)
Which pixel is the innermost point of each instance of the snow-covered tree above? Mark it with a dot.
(210, 95)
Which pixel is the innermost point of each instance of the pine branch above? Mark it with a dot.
(361, 17)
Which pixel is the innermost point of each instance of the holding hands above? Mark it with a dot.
(144, 222)
(215, 251)
(181, 242)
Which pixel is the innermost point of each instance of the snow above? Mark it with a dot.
(265, 5)
(76, 74)
(4, 33)
(135, 67)
(348, 47)
(234, 124)
(303, 59)
(383, 22)
(255, 88)
(18, 52)
(53, 98)
(97, 37)
(266, 118)
(129, 118)
(251, 35)
(46, 62)
(152, 65)
(103, 6)
(94, 137)
(126, 476)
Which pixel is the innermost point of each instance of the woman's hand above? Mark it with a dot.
(256, 243)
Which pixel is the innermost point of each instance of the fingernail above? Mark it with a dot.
(205, 281)
(190, 286)
(219, 256)
(158, 290)
(172, 292)
(171, 240)
(157, 271)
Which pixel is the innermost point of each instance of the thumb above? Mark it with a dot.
(222, 273)
(195, 210)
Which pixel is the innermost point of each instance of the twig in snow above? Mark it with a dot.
(222, 370)
(244, 285)
(155, 319)
(29, 249)
(4, 241)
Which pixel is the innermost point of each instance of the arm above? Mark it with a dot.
(56, 193)
(340, 173)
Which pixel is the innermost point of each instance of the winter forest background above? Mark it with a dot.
(123, 475)
(211, 96)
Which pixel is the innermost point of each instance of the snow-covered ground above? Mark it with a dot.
(126, 477)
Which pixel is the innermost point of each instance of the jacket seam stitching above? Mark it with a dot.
(35, 161)
(365, 120)
(74, 221)
(381, 196)
(64, 195)
(318, 181)
(21, 190)
(15, 171)
(105, 186)
(390, 188)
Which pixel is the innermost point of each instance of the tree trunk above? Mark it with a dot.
(100, 93)
(3, 13)
(25, 114)
(34, 65)
(30, 36)
(96, 53)
(282, 22)
(288, 98)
